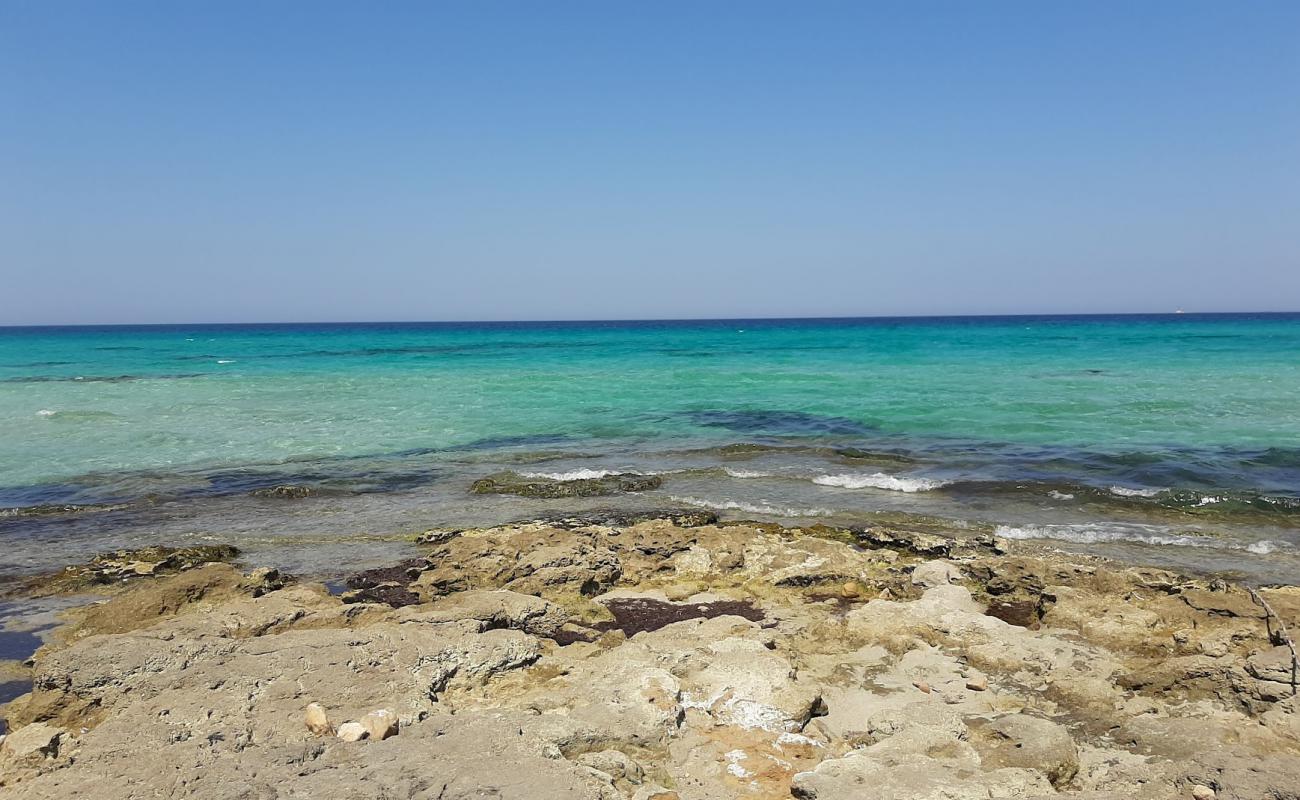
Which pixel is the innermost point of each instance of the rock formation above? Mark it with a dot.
(640, 658)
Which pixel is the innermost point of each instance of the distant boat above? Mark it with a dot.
(1180, 311)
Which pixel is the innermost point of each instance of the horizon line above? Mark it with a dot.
(611, 320)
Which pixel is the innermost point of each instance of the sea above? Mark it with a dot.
(1172, 440)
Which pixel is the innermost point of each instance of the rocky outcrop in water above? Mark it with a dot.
(550, 488)
(107, 569)
(650, 660)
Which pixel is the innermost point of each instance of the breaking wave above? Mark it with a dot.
(1125, 491)
(880, 480)
(575, 475)
(752, 508)
(1131, 533)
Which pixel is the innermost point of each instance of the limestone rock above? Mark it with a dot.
(122, 566)
(599, 657)
(614, 763)
(36, 739)
(317, 721)
(380, 724)
(490, 610)
(860, 775)
(1274, 665)
(352, 732)
(1022, 741)
(935, 573)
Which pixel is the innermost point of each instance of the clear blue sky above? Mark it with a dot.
(260, 161)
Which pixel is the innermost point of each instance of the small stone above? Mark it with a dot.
(978, 683)
(1200, 792)
(318, 722)
(352, 732)
(851, 589)
(380, 724)
(922, 685)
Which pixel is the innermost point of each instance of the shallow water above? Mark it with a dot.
(1173, 439)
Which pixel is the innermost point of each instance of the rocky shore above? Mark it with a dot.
(659, 656)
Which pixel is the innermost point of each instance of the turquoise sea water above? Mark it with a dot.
(1175, 437)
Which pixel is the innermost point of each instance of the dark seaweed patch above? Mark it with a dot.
(388, 585)
(633, 615)
(494, 442)
(622, 518)
(799, 423)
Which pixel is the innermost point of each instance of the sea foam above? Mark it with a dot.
(752, 508)
(1125, 491)
(879, 480)
(1134, 533)
(575, 475)
(746, 473)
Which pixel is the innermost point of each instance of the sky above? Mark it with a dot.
(327, 161)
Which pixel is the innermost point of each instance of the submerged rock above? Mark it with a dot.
(622, 518)
(284, 491)
(512, 483)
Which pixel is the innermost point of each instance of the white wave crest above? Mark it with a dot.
(1265, 546)
(1125, 491)
(45, 412)
(574, 475)
(1055, 495)
(746, 473)
(752, 508)
(225, 360)
(879, 480)
(1133, 533)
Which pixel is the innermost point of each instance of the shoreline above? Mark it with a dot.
(307, 522)
(638, 656)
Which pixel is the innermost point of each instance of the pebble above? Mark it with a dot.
(977, 684)
(352, 732)
(922, 685)
(318, 722)
(1202, 792)
(380, 724)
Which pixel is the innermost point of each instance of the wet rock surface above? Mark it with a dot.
(124, 565)
(513, 483)
(284, 491)
(635, 657)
